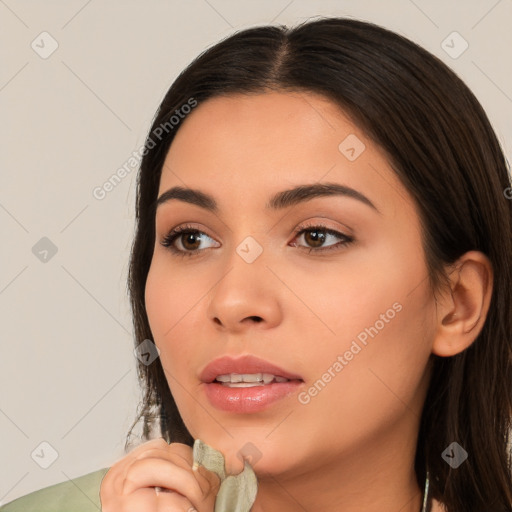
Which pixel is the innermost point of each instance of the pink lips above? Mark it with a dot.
(243, 364)
(243, 400)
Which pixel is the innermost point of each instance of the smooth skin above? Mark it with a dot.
(352, 446)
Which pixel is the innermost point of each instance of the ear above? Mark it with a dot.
(462, 310)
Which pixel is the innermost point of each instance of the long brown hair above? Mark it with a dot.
(442, 147)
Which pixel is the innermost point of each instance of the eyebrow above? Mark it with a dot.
(278, 201)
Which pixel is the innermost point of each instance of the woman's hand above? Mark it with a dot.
(129, 485)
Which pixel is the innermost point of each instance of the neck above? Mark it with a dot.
(377, 476)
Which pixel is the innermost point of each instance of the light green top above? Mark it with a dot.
(80, 494)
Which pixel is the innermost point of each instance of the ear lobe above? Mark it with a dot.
(462, 312)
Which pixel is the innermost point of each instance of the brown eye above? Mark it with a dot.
(185, 240)
(190, 240)
(316, 236)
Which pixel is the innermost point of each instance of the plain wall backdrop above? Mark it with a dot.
(80, 81)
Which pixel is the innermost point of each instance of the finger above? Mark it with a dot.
(151, 472)
(209, 481)
(178, 454)
(111, 486)
(159, 444)
(147, 500)
(181, 455)
(157, 453)
(200, 489)
(173, 502)
(112, 482)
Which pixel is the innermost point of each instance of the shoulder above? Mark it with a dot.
(81, 494)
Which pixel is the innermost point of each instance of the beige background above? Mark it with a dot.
(68, 121)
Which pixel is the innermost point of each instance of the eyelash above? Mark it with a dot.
(169, 239)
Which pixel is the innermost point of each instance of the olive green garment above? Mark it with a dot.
(81, 494)
(236, 492)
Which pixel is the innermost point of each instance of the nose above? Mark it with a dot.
(246, 295)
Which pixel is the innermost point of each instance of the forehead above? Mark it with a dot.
(259, 117)
(251, 145)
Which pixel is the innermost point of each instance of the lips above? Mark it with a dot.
(244, 364)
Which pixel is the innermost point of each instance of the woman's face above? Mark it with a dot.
(349, 313)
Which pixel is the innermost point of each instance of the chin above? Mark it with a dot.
(265, 456)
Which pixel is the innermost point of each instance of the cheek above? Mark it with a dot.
(171, 296)
(380, 319)
(383, 369)
(159, 302)
(376, 385)
(170, 300)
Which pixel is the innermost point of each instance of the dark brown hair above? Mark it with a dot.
(442, 147)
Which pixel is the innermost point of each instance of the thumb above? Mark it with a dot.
(208, 481)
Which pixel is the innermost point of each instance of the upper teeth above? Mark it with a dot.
(266, 378)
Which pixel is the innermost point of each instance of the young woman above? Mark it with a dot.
(322, 259)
